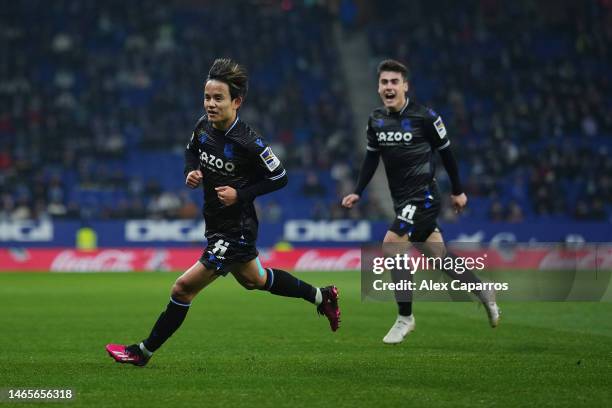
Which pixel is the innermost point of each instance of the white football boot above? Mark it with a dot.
(487, 297)
(400, 329)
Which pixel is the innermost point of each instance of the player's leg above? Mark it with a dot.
(185, 288)
(435, 247)
(405, 322)
(252, 275)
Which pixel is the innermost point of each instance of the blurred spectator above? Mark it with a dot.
(496, 212)
(312, 186)
(515, 213)
(271, 212)
(188, 209)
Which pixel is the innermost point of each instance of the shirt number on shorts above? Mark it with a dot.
(407, 213)
(220, 247)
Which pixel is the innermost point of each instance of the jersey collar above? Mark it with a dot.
(402, 110)
(405, 106)
(233, 125)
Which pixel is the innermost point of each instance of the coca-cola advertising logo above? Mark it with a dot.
(590, 259)
(314, 260)
(105, 260)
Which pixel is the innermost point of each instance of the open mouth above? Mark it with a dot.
(390, 96)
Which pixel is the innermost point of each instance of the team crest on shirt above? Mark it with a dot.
(406, 125)
(269, 159)
(202, 138)
(440, 128)
(228, 151)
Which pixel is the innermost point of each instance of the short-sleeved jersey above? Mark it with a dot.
(238, 158)
(406, 141)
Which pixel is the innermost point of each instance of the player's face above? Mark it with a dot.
(392, 90)
(219, 105)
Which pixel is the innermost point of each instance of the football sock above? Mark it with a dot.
(167, 323)
(404, 308)
(402, 297)
(281, 283)
(318, 297)
(144, 350)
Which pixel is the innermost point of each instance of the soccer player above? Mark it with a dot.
(406, 134)
(234, 165)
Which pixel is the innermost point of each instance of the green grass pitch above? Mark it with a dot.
(241, 348)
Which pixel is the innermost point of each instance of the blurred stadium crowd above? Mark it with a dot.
(524, 88)
(98, 99)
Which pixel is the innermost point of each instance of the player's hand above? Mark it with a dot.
(349, 200)
(459, 202)
(194, 178)
(227, 195)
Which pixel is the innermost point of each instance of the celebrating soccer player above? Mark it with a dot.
(234, 165)
(405, 134)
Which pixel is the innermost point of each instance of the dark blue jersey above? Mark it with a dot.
(406, 141)
(238, 158)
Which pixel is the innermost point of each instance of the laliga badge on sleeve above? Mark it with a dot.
(269, 159)
(440, 128)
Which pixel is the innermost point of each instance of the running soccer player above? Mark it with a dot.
(406, 134)
(234, 165)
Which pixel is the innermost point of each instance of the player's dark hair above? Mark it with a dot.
(233, 74)
(392, 66)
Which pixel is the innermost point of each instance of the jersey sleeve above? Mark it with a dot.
(435, 131)
(372, 139)
(192, 162)
(266, 162)
(270, 173)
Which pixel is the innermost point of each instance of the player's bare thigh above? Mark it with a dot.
(190, 283)
(391, 238)
(394, 244)
(250, 274)
(434, 244)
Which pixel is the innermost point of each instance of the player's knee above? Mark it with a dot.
(181, 291)
(249, 285)
(252, 283)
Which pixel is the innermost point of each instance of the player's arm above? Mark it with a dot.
(192, 172)
(438, 138)
(450, 165)
(368, 168)
(273, 174)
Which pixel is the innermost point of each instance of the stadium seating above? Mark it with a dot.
(99, 98)
(525, 91)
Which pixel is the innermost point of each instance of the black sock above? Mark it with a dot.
(402, 297)
(282, 283)
(404, 308)
(167, 323)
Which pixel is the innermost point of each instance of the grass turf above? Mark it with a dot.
(240, 348)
